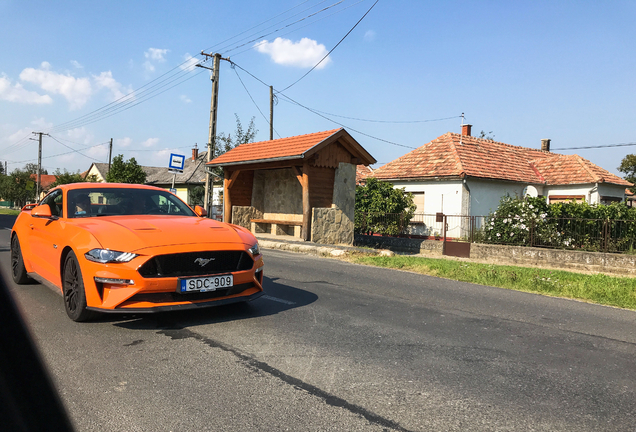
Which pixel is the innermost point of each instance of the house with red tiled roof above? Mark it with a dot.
(302, 185)
(362, 172)
(458, 174)
(46, 180)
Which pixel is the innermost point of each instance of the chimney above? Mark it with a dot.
(545, 145)
(466, 129)
(195, 152)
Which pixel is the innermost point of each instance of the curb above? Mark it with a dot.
(318, 250)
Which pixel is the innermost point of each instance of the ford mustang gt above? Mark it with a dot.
(132, 248)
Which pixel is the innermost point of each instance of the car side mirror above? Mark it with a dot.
(200, 211)
(42, 211)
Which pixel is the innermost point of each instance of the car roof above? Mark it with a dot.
(91, 185)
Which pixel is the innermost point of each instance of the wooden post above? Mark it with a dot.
(306, 228)
(227, 200)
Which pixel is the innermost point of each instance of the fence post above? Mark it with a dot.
(532, 233)
(605, 235)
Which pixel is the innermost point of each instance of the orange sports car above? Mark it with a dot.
(131, 248)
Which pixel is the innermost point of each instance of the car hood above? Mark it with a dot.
(134, 233)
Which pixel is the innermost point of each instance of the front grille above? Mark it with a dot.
(171, 297)
(189, 264)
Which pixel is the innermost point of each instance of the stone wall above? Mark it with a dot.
(331, 226)
(344, 189)
(335, 225)
(277, 194)
(241, 215)
(619, 264)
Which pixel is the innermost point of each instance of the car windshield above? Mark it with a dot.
(89, 202)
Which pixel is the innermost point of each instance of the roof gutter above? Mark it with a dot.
(277, 159)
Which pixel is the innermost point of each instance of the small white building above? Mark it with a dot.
(461, 175)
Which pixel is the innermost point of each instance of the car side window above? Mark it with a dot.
(54, 200)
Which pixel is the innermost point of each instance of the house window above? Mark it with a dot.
(609, 199)
(418, 199)
(565, 198)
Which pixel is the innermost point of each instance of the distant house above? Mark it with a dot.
(46, 180)
(459, 174)
(362, 172)
(193, 176)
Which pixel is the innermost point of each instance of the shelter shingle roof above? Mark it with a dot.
(287, 148)
(455, 155)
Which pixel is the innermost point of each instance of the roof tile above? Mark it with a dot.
(455, 155)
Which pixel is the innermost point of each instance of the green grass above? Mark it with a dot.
(9, 211)
(596, 288)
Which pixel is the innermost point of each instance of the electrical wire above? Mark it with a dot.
(343, 125)
(75, 150)
(229, 50)
(332, 49)
(253, 101)
(157, 86)
(301, 27)
(598, 146)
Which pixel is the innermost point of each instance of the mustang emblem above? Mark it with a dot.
(203, 261)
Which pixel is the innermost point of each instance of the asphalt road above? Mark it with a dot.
(341, 347)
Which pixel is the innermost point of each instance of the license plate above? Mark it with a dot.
(205, 284)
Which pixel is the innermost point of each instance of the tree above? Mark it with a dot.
(125, 171)
(628, 167)
(196, 195)
(67, 177)
(32, 168)
(17, 187)
(381, 208)
(488, 136)
(225, 143)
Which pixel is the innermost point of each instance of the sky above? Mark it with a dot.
(88, 72)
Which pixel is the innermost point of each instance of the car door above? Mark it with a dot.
(45, 239)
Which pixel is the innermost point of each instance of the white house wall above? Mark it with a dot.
(485, 195)
(587, 190)
(445, 197)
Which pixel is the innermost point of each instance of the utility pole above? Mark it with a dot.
(271, 113)
(212, 130)
(37, 186)
(110, 153)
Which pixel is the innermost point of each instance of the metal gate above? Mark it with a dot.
(458, 232)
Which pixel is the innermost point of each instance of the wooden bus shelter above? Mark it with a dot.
(279, 182)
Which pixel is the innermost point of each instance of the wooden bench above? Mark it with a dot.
(274, 223)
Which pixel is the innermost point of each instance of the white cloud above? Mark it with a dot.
(304, 53)
(16, 93)
(122, 142)
(76, 64)
(189, 62)
(154, 55)
(150, 142)
(369, 36)
(80, 135)
(185, 99)
(106, 80)
(77, 91)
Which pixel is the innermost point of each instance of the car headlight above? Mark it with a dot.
(108, 256)
(254, 250)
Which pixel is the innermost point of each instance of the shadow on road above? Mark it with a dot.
(278, 298)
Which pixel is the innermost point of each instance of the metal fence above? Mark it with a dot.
(597, 235)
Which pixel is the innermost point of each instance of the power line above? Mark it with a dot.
(345, 126)
(597, 146)
(253, 101)
(332, 49)
(228, 50)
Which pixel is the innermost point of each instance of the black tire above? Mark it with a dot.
(73, 288)
(18, 271)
